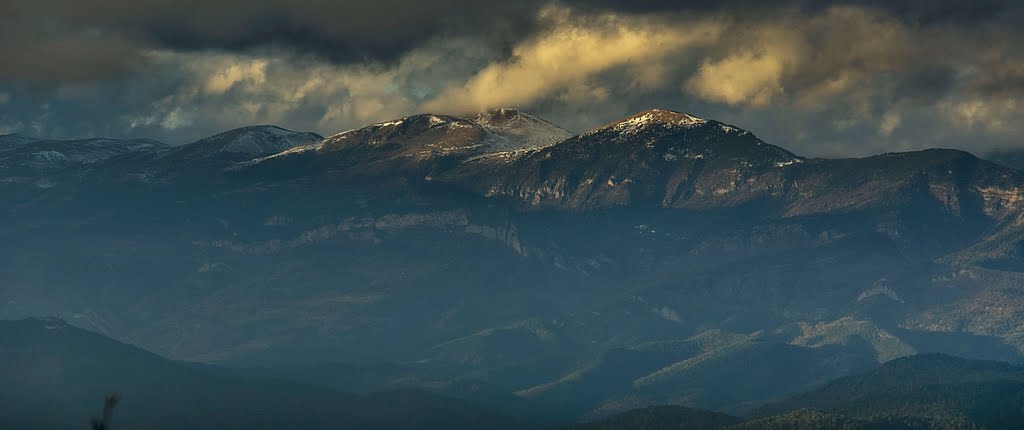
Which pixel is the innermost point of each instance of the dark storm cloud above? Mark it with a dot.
(48, 40)
(922, 12)
(83, 40)
(944, 11)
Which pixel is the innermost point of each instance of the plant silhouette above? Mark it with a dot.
(108, 411)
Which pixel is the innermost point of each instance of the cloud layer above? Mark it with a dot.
(821, 78)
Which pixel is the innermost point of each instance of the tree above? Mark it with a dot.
(108, 411)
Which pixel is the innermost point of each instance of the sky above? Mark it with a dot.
(821, 78)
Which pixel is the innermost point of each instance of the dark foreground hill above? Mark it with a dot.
(54, 376)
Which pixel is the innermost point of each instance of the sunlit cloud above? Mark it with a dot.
(802, 60)
(573, 50)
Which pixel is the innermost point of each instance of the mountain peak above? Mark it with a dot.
(499, 115)
(268, 129)
(520, 129)
(663, 118)
(410, 124)
(506, 117)
(245, 143)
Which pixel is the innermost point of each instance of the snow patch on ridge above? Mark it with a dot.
(383, 124)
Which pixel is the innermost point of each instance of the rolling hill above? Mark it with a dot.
(53, 375)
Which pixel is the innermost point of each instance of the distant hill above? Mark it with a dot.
(24, 158)
(1008, 157)
(927, 391)
(933, 386)
(811, 419)
(713, 370)
(661, 418)
(53, 375)
(242, 144)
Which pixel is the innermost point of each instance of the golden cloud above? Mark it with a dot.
(751, 77)
(810, 58)
(572, 51)
(254, 71)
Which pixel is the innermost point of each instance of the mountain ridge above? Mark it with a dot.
(478, 271)
(244, 143)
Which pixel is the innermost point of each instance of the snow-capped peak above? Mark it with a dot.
(425, 120)
(246, 143)
(501, 117)
(663, 118)
(520, 130)
(502, 133)
(658, 116)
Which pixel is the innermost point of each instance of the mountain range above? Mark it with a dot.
(501, 258)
